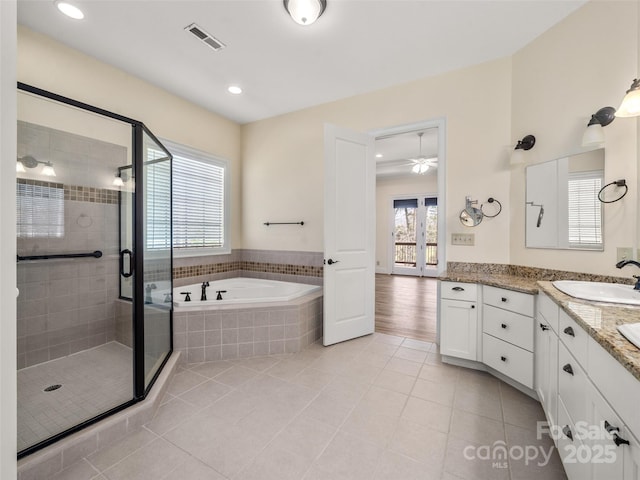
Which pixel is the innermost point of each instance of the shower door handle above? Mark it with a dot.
(124, 252)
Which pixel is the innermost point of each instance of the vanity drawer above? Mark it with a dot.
(574, 337)
(517, 302)
(514, 362)
(549, 310)
(459, 291)
(568, 443)
(572, 385)
(510, 327)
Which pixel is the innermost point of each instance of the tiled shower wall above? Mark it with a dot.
(68, 305)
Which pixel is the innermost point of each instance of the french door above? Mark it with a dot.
(415, 236)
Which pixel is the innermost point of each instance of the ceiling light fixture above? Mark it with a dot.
(421, 163)
(234, 89)
(69, 10)
(630, 106)
(527, 143)
(378, 155)
(594, 135)
(305, 12)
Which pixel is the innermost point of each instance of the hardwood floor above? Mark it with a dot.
(407, 306)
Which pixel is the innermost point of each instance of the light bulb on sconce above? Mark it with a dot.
(630, 106)
(117, 181)
(48, 170)
(594, 134)
(20, 167)
(527, 143)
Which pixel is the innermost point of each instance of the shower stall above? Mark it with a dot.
(93, 191)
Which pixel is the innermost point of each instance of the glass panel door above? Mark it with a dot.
(431, 235)
(157, 256)
(405, 236)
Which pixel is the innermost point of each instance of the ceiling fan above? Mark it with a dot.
(421, 163)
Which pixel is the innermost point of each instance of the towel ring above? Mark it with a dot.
(491, 200)
(617, 183)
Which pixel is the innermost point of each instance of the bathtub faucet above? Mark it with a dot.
(147, 291)
(203, 297)
(220, 292)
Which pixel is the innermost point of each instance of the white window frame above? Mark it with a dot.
(179, 150)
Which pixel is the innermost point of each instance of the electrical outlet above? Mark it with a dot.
(466, 239)
(624, 253)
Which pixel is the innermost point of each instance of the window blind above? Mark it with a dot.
(198, 200)
(585, 210)
(40, 210)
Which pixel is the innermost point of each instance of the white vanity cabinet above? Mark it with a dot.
(546, 356)
(507, 341)
(590, 400)
(459, 320)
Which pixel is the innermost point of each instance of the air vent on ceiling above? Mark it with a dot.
(205, 37)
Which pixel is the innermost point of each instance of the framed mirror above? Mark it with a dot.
(562, 206)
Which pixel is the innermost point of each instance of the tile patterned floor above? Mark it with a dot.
(93, 381)
(378, 407)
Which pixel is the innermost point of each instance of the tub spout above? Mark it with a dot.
(203, 296)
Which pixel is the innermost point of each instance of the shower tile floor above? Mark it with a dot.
(377, 407)
(93, 381)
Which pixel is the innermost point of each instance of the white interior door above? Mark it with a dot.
(349, 235)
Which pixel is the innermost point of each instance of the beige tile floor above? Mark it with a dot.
(378, 407)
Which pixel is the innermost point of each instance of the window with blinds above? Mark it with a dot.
(40, 210)
(199, 202)
(585, 210)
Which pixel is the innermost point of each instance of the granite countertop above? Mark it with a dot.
(510, 282)
(600, 321)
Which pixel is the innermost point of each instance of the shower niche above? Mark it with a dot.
(93, 205)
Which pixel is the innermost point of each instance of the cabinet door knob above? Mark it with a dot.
(458, 289)
(504, 359)
(544, 327)
(569, 331)
(504, 325)
(567, 368)
(504, 299)
(567, 432)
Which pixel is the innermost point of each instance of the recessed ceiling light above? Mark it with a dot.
(378, 155)
(236, 90)
(69, 10)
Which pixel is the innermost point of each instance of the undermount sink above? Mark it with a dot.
(599, 292)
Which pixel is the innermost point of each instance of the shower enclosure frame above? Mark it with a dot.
(138, 130)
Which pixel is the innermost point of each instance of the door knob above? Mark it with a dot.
(331, 261)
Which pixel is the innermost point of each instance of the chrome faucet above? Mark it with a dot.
(622, 263)
(203, 296)
(147, 292)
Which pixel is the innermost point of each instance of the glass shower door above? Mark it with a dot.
(157, 257)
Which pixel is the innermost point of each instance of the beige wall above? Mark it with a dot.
(47, 64)
(559, 80)
(386, 190)
(283, 156)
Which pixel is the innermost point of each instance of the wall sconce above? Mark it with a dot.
(594, 135)
(630, 106)
(305, 12)
(527, 143)
(118, 182)
(29, 162)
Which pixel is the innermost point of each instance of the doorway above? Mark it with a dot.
(411, 231)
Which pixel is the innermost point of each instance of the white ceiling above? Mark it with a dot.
(357, 46)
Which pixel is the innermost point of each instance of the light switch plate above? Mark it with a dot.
(624, 253)
(467, 239)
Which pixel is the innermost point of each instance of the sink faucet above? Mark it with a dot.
(203, 296)
(622, 263)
